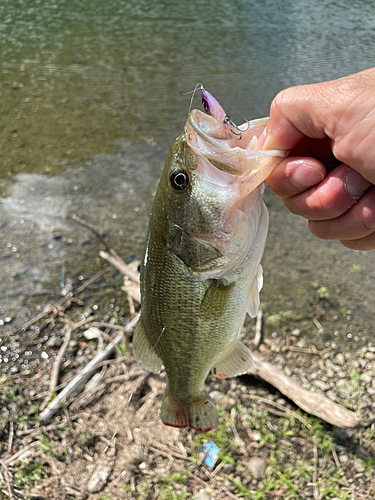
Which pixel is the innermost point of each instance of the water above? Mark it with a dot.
(92, 98)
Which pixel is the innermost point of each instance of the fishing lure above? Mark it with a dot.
(213, 108)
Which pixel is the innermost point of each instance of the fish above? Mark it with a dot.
(200, 272)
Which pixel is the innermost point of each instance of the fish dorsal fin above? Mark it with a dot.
(143, 351)
(200, 414)
(255, 288)
(236, 360)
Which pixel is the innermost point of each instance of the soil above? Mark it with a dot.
(108, 442)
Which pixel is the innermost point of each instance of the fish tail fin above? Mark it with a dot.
(200, 415)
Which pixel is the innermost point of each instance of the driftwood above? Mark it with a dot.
(315, 404)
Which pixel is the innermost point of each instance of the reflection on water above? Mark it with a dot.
(92, 98)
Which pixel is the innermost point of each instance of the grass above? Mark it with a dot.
(29, 474)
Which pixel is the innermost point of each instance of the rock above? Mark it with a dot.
(256, 436)
(99, 477)
(229, 469)
(340, 359)
(331, 395)
(257, 467)
(344, 459)
(358, 465)
(216, 396)
(296, 332)
(288, 371)
(54, 342)
(367, 377)
(369, 355)
(332, 366)
(342, 383)
(321, 385)
(363, 362)
(281, 401)
(201, 495)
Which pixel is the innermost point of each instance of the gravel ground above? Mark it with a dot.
(108, 442)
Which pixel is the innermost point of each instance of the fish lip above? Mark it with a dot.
(196, 117)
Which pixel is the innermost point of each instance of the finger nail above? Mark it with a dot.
(355, 184)
(305, 176)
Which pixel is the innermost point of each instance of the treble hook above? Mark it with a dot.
(238, 133)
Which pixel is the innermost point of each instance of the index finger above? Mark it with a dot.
(296, 113)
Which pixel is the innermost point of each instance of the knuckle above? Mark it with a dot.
(367, 218)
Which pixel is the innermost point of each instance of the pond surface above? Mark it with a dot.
(91, 101)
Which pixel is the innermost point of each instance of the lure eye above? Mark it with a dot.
(206, 105)
(179, 179)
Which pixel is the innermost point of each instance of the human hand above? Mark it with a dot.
(329, 175)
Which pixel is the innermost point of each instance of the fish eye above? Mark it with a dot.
(179, 179)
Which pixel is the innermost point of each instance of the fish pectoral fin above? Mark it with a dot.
(256, 286)
(215, 299)
(200, 415)
(236, 360)
(143, 351)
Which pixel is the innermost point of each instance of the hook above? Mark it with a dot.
(239, 131)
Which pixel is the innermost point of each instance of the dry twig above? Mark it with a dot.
(84, 375)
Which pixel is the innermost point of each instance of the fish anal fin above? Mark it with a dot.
(215, 299)
(200, 415)
(236, 360)
(143, 351)
(254, 301)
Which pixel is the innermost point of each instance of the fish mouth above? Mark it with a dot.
(229, 152)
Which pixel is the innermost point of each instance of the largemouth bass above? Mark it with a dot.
(201, 273)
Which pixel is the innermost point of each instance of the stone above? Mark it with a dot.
(257, 467)
(201, 495)
(332, 366)
(54, 342)
(367, 377)
(229, 469)
(358, 465)
(216, 396)
(331, 395)
(100, 477)
(344, 459)
(288, 372)
(256, 436)
(340, 359)
(321, 385)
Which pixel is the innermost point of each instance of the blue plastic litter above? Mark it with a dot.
(212, 453)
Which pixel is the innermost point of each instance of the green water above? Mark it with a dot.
(91, 96)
